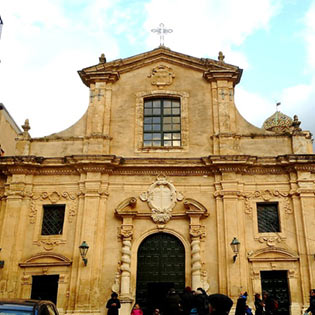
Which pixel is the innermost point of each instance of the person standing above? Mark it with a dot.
(219, 304)
(241, 304)
(113, 304)
(137, 310)
(173, 303)
(259, 305)
(312, 303)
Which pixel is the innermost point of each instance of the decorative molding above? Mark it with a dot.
(161, 76)
(161, 197)
(194, 207)
(38, 260)
(127, 206)
(49, 244)
(266, 195)
(272, 254)
(197, 231)
(126, 231)
(53, 197)
(270, 240)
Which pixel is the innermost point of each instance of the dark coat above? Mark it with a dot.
(220, 304)
(312, 305)
(258, 306)
(187, 302)
(113, 305)
(173, 304)
(241, 306)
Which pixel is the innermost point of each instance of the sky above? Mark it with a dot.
(45, 42)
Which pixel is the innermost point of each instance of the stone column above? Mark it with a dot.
(195, 258)
(197, 232)
(126, 234)
(126, 211)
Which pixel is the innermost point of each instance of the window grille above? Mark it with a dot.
(268, 217)
(53, 219)
(162, 123)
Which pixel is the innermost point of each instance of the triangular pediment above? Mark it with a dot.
(45, 260)
(111, 70)
(273, 254)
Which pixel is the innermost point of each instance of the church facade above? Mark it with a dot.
(156, 180)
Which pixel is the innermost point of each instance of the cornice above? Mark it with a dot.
(112, 164)
(161, 54)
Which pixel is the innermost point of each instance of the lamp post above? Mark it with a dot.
(84, 247)
(235, 245)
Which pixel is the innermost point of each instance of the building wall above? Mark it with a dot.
(9, 132)
(105, 178)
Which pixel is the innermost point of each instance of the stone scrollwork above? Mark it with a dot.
(197, 231)
(49, 244)
(267, 195)
(126, 231)
(53, 198)
(270, 240)
(161, 198)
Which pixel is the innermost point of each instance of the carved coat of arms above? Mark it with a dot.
(161, 76)
(161, 197)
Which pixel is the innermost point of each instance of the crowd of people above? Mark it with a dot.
(197, 302)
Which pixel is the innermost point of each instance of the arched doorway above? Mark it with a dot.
(161, 266)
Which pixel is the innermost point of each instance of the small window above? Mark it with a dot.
(162, 125)
(268, 217)
(53, 219)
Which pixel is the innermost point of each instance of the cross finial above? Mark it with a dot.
(278, 104)
(161, 30)
(221, 56)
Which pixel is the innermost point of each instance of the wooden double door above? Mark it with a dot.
(161, 266)
(275, 282)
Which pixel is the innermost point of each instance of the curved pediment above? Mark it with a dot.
(110, 71)
(45, 260)
(272, 254)
(194, 206)
(126, 206)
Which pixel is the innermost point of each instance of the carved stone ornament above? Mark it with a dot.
(161, 197)
(267, 195)
(162, 76)
(270, 240)
(53, 198)
(49, 244)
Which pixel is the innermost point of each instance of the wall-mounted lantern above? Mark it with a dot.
(84, 247)
(235, 245)
(1, 261)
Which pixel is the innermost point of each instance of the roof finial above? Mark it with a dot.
(296, 125)
(26, 127)
(221, 56)
(161, 31)
(102, 58)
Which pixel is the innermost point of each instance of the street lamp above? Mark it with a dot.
(84, 247)
(235, 245)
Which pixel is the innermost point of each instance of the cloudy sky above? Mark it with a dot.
(45, 42)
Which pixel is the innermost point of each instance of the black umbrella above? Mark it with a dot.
(220, 303)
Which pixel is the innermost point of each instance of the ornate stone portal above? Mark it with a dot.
(161, 197)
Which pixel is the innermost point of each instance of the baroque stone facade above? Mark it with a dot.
(117, 191)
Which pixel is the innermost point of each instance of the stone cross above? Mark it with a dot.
(161, 31)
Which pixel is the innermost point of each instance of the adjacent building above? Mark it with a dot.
(156, 180)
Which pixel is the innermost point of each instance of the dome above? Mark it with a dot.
(278, 123)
